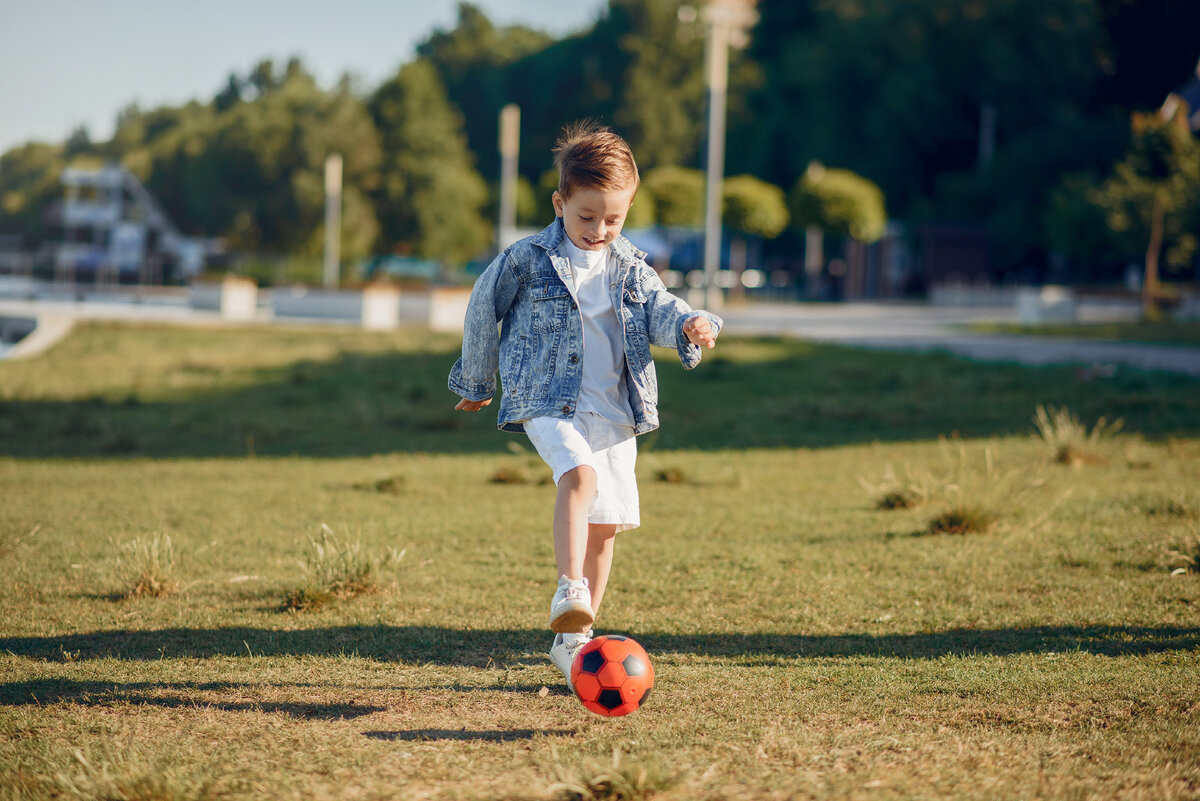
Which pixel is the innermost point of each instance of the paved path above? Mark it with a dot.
(919, 327)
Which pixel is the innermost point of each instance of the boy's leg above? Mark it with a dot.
(597, 560)
(576, 490)
(571, 608)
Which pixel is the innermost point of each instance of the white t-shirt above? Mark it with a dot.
(602, 390)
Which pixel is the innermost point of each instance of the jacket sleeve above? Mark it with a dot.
(474, 374)
(666, 315)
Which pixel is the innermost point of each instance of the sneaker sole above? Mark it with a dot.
(572, 621)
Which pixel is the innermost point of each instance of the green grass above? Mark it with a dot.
(153, 391)
(1161, 332)
(807, 642)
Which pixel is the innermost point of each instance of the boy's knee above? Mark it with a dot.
(579, 476)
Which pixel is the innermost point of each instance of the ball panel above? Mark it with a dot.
(611, 675)
(610, 699)
(634, 666)
(586, 687)
(590, 662)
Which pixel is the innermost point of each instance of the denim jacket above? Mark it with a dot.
(528, 291)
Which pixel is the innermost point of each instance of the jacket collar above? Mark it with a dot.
(550, 237)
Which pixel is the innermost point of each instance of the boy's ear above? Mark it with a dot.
(557, 200)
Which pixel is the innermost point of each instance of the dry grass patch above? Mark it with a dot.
(1073, 444)
(337, 568)
(612, 781)
(150, 565)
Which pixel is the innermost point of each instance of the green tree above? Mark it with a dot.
(753, 207)
(903, 92)
(251, 168)
(1153, 196)
(677, 195)
(840, 203)
(430, 197)
(474, 62)
(29, 183)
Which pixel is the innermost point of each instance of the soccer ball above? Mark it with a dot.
(612, 675)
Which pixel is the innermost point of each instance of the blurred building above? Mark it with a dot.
(113, 228)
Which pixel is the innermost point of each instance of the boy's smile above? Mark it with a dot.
(593, 217)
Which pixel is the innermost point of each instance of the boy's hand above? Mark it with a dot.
(465, 405)
(699, 332)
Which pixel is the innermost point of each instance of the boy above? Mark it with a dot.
(577, 308)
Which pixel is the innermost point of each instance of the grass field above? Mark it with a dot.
(859, 575)
(1159, 332)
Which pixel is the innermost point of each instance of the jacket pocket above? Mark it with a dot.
(550, 304)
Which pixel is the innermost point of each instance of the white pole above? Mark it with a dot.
(510, 146)
(718, 78)
(333, 219)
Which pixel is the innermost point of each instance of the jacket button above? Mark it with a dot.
(574, 359)
(566, 410)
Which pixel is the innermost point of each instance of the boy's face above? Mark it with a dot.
(593, 217)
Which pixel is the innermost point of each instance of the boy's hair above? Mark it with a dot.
(589, 155)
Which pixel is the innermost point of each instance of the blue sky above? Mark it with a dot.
(65, 63)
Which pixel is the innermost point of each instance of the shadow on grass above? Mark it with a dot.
(755, 394)
(424, 644)
(100, 693)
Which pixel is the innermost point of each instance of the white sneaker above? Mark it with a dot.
(562, 654)
(571, 609)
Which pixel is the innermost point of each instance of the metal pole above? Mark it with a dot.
(510, 146)
(718, 79)
(333, 219)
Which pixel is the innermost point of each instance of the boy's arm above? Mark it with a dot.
(473, 376)
(675, 324)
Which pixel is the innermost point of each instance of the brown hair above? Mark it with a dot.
(590, 155)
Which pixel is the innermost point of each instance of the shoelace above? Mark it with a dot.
(575, 591)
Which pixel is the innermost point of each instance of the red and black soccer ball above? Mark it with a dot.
(612, 675)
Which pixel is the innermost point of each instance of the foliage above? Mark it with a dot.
(29, 177)
(753, 207)
(839, 202)
(677, 195)
(1159, 174)
(896, 91)
(429, 196)
(251, 168)
(475, 62)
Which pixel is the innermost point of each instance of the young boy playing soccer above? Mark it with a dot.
(577, 308)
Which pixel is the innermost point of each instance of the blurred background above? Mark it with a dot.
(855, 149)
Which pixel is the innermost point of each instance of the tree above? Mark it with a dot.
(430, 197)
(28, 186)
(753, 207)
(840, 203)
(903, 92)
(474, 63)
(1153, 195)
(677, 195)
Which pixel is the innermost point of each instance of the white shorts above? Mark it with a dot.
(608, 448)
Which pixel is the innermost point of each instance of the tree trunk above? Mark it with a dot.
(1150, 283)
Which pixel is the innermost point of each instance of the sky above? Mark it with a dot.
(65, 63)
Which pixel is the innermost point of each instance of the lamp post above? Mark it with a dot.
(510, 148)
(728, 23)
(333, 220)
